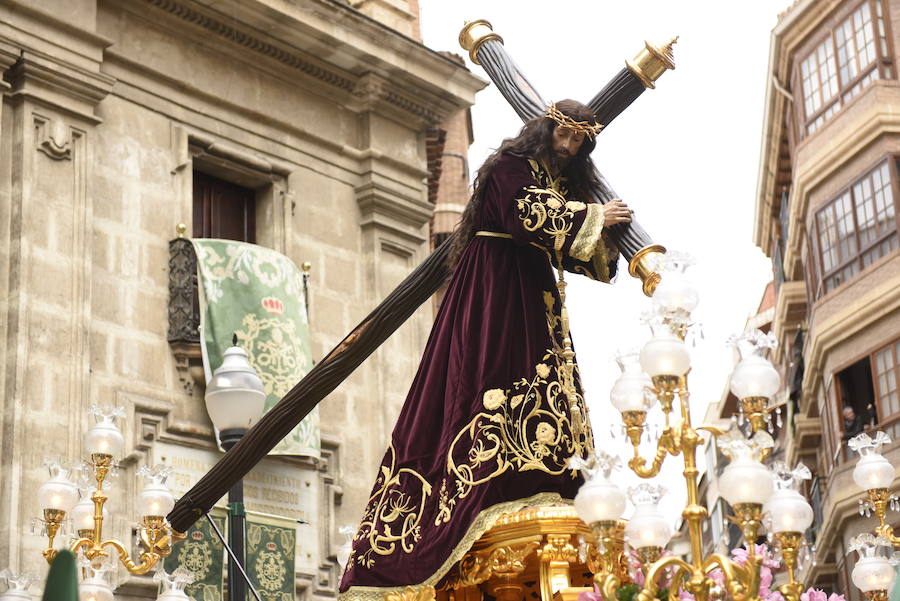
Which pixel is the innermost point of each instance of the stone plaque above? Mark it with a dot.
(273, 487)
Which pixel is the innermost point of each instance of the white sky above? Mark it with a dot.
(684, 156)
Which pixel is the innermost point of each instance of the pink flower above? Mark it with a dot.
(765, 578)
(638, 577)
(683, 595)
(740, 555)
(593, 595)
(836, 597)
(813, 594)
(771, 596)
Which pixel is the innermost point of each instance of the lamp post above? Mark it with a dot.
(235, 399)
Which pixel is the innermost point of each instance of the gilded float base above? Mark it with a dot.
(528, 554)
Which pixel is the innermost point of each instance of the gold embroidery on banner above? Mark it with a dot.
(393, 513)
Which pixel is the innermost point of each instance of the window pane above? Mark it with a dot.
(819, 77)
(886, 377)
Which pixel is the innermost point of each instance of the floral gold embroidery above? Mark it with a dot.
(493, 398)
(526, 427)
(544, 206)
(394, 511)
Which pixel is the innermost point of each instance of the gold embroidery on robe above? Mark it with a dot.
(393, 513)
(524, 427)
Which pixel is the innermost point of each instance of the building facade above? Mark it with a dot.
(826, 214)
(313, 127)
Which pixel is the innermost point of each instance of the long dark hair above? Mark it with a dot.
(535, 140)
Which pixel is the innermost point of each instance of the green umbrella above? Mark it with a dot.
(62, 580)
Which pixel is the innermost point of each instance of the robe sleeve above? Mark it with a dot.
(603, 264)
(536, 212)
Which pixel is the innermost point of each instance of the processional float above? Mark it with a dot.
(551, 530)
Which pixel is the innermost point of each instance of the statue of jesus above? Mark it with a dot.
(495, 411)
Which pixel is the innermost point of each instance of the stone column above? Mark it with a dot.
(49, 122)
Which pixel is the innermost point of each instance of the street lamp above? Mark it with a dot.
(235, 399)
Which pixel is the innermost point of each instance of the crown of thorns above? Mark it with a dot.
(586, 127)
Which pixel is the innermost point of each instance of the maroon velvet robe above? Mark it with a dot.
(485, 428)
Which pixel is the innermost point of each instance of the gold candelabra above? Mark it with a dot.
(58, 499)
(660, 374)
(874, 572)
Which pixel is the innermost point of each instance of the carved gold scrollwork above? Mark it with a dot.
(558, 547)
(412, 593)
(479, 566)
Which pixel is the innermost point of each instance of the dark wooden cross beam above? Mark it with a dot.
(486, 49)
(418, 287)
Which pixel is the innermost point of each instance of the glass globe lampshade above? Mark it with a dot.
(632, 389)
(675, 293)
(104, 438)
(746, 480)
(789, 511)
(17, 586)
(755, 376)
(665, 354)
(873, 574)
(343, 554)
(648, 527)
(95, 588)
(235, 396)
(155, 500)
(173, 594)
(57, 493)
(873, 471)
(599, 500)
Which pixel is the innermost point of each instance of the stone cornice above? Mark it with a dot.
(64, 87)
(382, 82)
(386, 209)
(789, 295)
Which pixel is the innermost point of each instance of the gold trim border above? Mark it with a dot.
(588, 235)
(484, 521)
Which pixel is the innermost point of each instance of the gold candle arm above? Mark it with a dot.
(742, 582)
(655, 572)
(156, 535)
(790, 545)
(748, 516)
(53, 518)
(665, 445)
(878, 500)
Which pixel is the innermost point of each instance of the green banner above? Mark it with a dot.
(257, 294)
(203, 554)
(271, 548)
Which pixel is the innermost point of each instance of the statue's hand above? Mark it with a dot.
(616, 211)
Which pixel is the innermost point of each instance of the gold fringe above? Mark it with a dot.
(588, 236)
(483, 522)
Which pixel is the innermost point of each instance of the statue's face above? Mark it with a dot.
(566, 143)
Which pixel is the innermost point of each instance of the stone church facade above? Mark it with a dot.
(327, 116)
